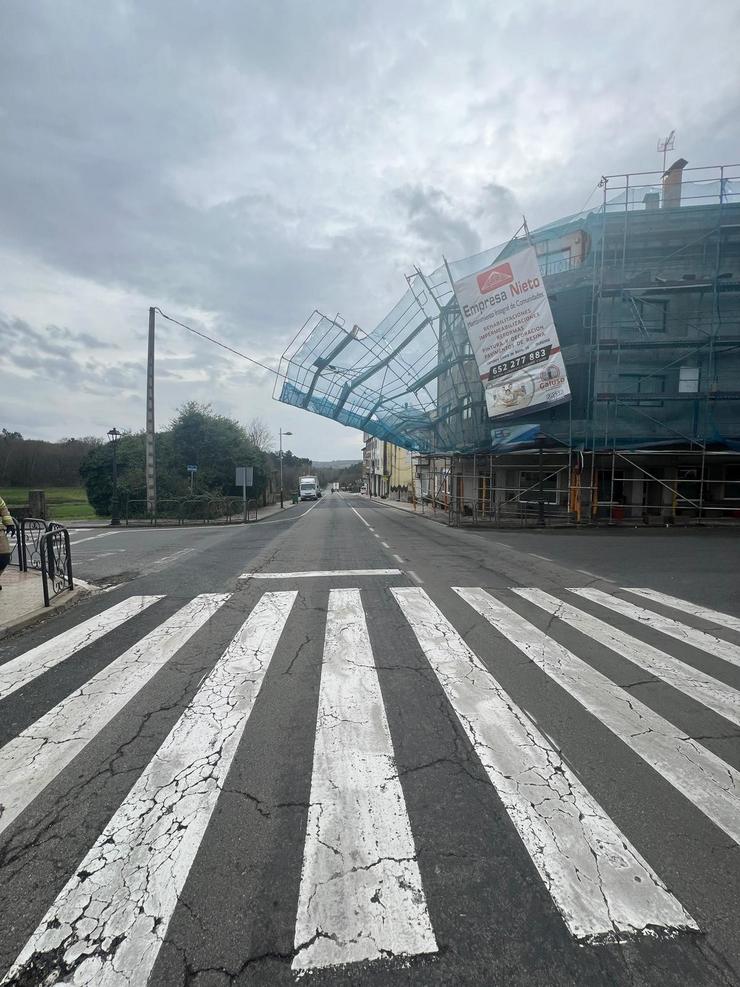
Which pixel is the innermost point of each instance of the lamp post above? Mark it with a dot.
(282, 433)
(113, 436)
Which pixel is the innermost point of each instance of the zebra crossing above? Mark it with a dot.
(362, 894)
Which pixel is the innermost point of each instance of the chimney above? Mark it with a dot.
(652, 200)
(672, 184)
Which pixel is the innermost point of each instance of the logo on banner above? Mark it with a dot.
(494, 277)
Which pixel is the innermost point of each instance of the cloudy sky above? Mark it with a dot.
(242, 163)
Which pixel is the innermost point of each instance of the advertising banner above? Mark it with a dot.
(512, 333)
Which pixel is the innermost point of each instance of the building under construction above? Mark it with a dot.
(645, 294)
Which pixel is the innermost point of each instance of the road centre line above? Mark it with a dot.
(721, 698)
(666, 625)
(713, 616)
(413, 576)
(141, 860)
(385, 544)
(366, 523)
(313, 574)
(543, 557)
(37, 755)
(17, 672)
(702, 777)
(600, 884)
(398, 559)
(361, 895)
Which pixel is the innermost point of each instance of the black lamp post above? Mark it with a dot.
(113, 436)
(282, 433)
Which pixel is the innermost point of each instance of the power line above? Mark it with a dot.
(218, 343)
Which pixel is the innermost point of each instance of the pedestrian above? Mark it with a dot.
(6, 522)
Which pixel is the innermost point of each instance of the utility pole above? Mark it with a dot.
(151, 465)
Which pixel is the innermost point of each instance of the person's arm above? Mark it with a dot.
(5, 517)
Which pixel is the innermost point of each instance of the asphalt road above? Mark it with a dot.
(475, 763)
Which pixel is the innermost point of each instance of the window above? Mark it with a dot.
(467, 408)
(529, 485)
(642, 384)
(466, 349)
(654, 313)
(732, 482)
(688, 380)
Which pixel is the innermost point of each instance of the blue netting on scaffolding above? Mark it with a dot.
(410, 380)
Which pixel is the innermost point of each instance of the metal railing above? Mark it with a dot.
(188, 510)
(56, 562)
(32, 530)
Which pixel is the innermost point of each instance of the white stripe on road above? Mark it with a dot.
(35, 757)
(321, 572)
(366, 523)
(20, 671)
(666, 625)
(701, 776)
(599, 882)
(105, 534)
(137, 868)
(361, 896)
(723, 699)
(713, 616)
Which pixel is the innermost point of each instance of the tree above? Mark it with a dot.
(260, 435)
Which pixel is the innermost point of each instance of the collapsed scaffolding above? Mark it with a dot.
(645, 291)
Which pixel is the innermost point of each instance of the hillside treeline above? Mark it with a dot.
(37, 464)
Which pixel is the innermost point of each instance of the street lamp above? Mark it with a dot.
(282, 433)
(113, 436)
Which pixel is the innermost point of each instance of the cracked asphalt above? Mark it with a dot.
(235, 901)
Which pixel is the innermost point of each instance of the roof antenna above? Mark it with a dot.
(666, 145)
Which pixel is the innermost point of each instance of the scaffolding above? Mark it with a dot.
(645, 293)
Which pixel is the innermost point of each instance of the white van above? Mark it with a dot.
(308, 488)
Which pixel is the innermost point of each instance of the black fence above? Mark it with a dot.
(45, 548)
(56, 562)
(190, 510)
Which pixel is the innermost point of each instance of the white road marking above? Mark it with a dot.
(716, 695)
(17, 672)
(175, 555)
(105, 534)
(138, 866)
(713, 616)
(295, 517)
(367, 525)
(702, 777)
(36, 756)
(385, 544)
(361, 896)
(593, 575)
(666, 625)
(311, 574)
(413, 576)
(398, 559)
(602, 887)
(543, 557)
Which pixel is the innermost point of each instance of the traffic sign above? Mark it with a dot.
(192, 469)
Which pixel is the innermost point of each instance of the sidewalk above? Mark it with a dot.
(22, 600)
(431, 515)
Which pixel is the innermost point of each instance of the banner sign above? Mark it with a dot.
(514, 435)
(512, 333)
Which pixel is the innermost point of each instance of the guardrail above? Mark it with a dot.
(56, 562)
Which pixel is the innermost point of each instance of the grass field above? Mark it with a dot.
(63, 503)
